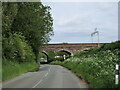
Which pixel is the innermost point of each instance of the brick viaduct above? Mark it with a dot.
(69, 48)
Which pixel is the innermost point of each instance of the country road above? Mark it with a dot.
(48, 76)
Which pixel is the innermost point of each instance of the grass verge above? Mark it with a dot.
(13, 69)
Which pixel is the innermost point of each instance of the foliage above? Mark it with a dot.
(61, 58)
(9, 11)
(26, 26)
(43, 56)
(51, 56)
(64, 43)
(111, 46)
(97, 65)
(61, 53)
(32, 19)
(12, 69)
(15, 48)
(36, 25)
(57, 63)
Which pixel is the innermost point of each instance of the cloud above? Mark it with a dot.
(74, 22)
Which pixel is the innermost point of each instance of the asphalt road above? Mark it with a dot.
(48, 76)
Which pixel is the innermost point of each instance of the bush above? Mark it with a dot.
(96, 66)
(15, 48)
(61, 58)
(51, 56)
(111, 46)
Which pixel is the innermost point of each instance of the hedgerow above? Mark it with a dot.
(96, 66)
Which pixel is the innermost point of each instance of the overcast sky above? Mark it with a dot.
(75, 21)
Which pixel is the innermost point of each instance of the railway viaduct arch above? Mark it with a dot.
(69, 48)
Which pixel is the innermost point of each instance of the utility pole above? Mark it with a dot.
(95, 32)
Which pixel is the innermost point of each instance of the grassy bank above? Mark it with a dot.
(96, 66)
(13, 69)
(0, 71)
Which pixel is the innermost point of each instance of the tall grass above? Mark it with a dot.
(0, 71)
(13, 69)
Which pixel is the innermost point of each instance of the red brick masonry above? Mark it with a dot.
(70, 47)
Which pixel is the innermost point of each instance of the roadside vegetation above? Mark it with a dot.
(14, 69)
(51, 56)
(42, 58)
(57, 56)
(96, 66)
(26, 26)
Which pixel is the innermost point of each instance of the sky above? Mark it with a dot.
(73, 22)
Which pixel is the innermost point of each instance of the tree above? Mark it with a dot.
(9, 11)
(35, 22)
(32, 19)
(51, 55)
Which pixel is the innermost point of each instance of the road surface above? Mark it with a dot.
(48, 76)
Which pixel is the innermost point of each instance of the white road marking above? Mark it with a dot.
(46, 74)
(49, 69)
(37, 83)
(42, 79)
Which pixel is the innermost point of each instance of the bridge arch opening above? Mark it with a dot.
(43, 57)
(65, 52)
